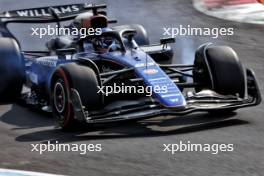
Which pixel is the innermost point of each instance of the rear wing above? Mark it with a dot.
(42, 14)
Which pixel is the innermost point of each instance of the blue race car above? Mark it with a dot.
(116, 75)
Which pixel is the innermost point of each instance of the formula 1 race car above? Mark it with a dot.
(73, 77)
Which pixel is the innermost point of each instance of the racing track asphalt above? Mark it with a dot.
(136, 148)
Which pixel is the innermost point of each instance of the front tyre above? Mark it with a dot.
(218, 68)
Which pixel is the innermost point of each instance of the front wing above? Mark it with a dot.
(146, 108)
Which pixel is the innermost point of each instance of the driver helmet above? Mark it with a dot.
(88, 20)
(102, 44)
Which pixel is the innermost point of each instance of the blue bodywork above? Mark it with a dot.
(146, 68)
(39, 72)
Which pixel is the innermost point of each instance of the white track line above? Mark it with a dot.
(11, 172)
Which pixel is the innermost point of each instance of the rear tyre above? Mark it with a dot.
(84, 80)
(11, 71)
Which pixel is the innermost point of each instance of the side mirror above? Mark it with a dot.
(102, 12)
(165, 41)
(62, 52)
(66, 51)
(129, 34)
(111, 21)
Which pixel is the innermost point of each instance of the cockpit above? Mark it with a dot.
(101, 44)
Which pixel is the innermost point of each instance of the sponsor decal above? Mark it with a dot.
(150, 71)
(44, 12)
(174, 100)
(144, 64)
(48, 61)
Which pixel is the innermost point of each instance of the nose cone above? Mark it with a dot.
(163, 89)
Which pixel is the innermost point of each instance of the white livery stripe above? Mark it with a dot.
(171, 95)
(156, 79)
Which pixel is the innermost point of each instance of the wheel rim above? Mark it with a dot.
(59, 97)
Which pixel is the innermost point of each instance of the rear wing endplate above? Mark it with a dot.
(42, 15)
